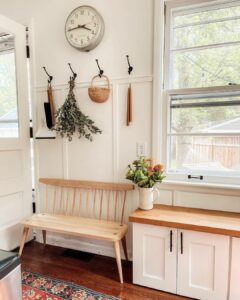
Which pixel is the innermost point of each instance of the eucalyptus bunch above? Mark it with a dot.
(70, 119)
(142, 173)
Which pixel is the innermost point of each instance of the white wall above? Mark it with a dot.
(129, 30)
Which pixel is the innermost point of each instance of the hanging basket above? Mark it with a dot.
(97, 93)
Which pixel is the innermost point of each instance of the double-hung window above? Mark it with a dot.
(202, 87)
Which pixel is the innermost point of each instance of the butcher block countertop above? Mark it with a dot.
(225, 223)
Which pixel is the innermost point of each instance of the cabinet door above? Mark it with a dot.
(235, 270)
(203, 265)
(155, 257)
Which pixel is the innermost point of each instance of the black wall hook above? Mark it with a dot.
(74, 74)
(49, 76)
(130, 68)
(100, 70)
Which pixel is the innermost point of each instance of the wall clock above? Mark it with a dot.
(84, 28)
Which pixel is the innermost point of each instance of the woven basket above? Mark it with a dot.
(97, 93)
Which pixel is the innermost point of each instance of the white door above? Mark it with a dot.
(203, 265)
(15, 171)
(235, 270)
(154, 257)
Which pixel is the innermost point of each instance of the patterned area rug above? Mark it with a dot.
(38, 287)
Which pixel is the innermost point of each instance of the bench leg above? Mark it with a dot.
(118, 258)
(124, 245)
(44, 234)
(24, 237)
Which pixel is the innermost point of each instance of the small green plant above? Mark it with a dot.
(142, 173)
(70, 119)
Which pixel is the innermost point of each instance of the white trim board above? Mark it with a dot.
(84, 84)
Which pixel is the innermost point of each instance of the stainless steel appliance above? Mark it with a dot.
(10, 276)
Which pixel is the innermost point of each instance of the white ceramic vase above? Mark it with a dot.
(146, 198)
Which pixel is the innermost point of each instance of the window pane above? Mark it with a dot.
(205, 114)
(207, 34)
(207, 14)
(207, 67)
(212, 33)
(8, 95)
(205, 154)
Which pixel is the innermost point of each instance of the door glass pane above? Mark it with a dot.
(8, 91)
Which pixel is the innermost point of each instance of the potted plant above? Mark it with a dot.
(145, 176)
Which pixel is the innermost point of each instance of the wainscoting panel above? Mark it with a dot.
(107, 157)
(206, 201)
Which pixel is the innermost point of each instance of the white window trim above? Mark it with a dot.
(160, 95)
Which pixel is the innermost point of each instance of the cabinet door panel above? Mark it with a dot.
(154, 260)
(203, 265)
(235, 270)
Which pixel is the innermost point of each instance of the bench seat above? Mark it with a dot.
(78, 226)
(99, 207)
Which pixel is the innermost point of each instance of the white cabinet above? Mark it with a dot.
(154, 257)
(203, 264)
(235, 270)
(188, 263)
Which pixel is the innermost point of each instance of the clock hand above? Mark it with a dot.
(70, 29)
(79, 26)
(84, 26)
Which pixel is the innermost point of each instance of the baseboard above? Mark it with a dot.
(91, 246)
(10, 236)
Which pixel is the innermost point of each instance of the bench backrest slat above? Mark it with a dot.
(87, 184)
(99, 200)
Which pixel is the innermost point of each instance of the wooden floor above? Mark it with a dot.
(99, 273)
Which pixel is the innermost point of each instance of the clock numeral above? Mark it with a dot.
(76, 16)
(93, 32)
(88, 38)
(82, 12)
(95, 24)
(71, 35)
(72, 22)
(81, 42)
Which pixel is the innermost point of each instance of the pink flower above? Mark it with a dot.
(158, 167)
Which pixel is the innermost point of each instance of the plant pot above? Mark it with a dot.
(146, 198)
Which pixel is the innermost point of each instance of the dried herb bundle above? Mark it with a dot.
(69, 119)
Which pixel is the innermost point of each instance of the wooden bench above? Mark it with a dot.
(82, 208)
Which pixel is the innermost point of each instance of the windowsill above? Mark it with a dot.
(201, 185)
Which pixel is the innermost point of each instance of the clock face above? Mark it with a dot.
(84, 28)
